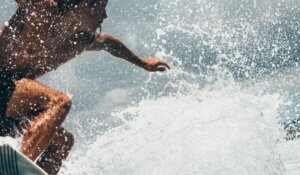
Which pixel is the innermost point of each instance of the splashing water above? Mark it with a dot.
(220, 131)
(222, 109)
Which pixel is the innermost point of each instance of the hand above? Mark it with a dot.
(154, 64)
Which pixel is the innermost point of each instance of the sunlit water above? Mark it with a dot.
(223, 107)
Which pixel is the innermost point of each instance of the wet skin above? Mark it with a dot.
(38, 39)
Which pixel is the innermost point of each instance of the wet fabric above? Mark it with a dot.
(7, 87)
(8, 126)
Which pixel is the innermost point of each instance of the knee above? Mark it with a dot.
(67, 103)
(63, 101)
(61, 104)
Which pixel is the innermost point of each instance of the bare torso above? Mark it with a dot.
(35, 41)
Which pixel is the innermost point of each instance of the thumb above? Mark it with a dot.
(161, 69)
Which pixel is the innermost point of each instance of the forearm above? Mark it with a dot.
(116, 48)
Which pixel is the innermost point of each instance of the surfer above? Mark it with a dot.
(39, 37)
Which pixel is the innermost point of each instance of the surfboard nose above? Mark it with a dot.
(13, 162)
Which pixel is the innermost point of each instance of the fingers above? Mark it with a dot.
(155, 64)
(164, 64)
(161, 69)
(161, 66)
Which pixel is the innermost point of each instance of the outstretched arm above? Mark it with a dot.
(116, 48)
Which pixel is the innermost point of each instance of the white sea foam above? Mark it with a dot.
(220, 131)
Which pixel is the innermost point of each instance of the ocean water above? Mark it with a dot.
(229, 105)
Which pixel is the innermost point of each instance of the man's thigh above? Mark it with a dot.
(30, 98)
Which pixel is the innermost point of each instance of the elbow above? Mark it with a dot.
(103, 37)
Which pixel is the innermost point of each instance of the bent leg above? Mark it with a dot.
(57, 151)
(46, 107)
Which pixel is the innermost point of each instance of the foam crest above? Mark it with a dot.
(221, 131)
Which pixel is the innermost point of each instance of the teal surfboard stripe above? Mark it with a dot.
(16, 165)
(5, 162)
(3, 157)
(8, 161)
(1, 162)
(8, 170)
(13, 162)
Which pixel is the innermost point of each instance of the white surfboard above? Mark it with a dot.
(12, 162)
